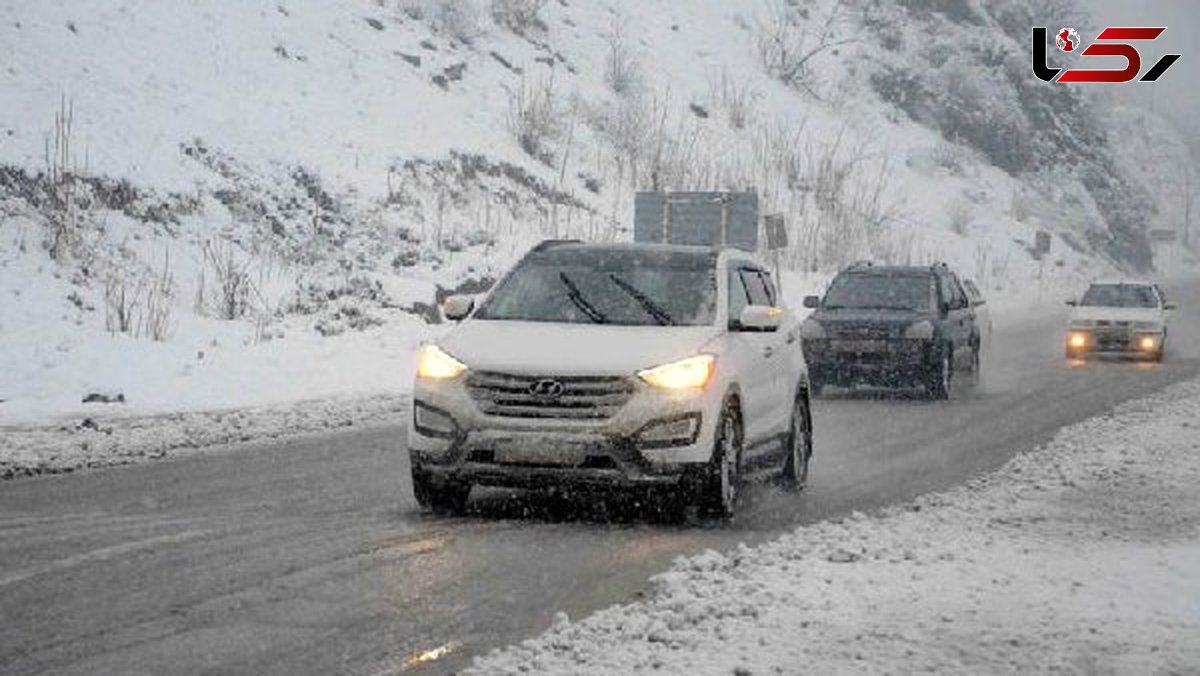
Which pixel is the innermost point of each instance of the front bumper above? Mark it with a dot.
(1114, 341)
(452, 439)
(889, 362)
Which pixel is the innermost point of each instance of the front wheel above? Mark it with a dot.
(938, 380)
(721, 490)
(799, 445)
(449, 498)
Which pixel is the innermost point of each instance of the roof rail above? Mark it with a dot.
(861, 264)
(551, 243)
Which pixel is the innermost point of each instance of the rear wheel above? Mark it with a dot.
(940, 377)
(448, 498)
(799, 445)
(722, 489)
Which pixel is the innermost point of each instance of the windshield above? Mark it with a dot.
(879, 292)
(1120, 295)
(608, 286)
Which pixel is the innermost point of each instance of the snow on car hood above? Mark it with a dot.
(1116, 314)
(571, 349)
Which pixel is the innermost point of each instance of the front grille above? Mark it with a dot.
(860, 331)
(572, 398)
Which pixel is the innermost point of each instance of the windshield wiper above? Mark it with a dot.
(660, 315)
(580, 302)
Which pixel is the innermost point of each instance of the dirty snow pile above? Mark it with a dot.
(105, 441)
(1079, 557)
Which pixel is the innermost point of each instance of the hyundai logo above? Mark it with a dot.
(547, 389)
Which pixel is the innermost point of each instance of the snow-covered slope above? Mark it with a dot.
(322, 172)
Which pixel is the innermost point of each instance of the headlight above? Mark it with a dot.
(435, 364)
(1077, 339)
(811, 328)
(693, 372)
(1148, 343)
(922, 330)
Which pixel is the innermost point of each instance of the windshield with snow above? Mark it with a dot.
(612, 286)
(1120, 295)
(879, 292)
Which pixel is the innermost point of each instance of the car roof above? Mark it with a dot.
(617, 247)
(1122, 282)
(885, 270)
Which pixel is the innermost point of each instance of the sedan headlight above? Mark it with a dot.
(693, 372)
(435, 364)
(811, 329)
(922, 330)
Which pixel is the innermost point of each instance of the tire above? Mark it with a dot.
(799, 445)
(445, 499)
(722, 488)
(939, 380)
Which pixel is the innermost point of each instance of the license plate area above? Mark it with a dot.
(565, 453)
(861, 346)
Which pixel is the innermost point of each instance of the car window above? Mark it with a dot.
(881, 291)
(739, 298)
(610, 287)
(973, 294)
(770, 286)
(755, 287)
(1120, 295)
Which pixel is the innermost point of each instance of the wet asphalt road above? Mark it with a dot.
(310, 557)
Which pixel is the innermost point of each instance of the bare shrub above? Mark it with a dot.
(120, 303)
(519, 16)
(622, 70)
(230, 296)
(787, 45)
(159, 294)
(734, 98)
(534, 116)
(62, 171)
(140, 305)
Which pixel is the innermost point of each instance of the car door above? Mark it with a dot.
(778, 354)
(751, 356)
(960, 319)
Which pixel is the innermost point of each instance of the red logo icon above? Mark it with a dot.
(1067, 39)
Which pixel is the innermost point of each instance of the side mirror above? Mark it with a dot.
(812, 301)
(760, 318)
(1072, 303)
(457, 308)
(1170, 306)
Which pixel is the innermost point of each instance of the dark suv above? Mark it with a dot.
(891, 326)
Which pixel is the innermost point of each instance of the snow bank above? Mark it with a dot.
(1079, 557)
(105, 440)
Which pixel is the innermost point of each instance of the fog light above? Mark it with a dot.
(674, 432)
(1078, 340)
(431, 422)
(1148, 343)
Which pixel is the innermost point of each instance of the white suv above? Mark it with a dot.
(673, 368)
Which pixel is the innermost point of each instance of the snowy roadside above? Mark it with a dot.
(103, 441)
(1080, 557)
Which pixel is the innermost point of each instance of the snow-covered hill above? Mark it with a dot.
(214, 204)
